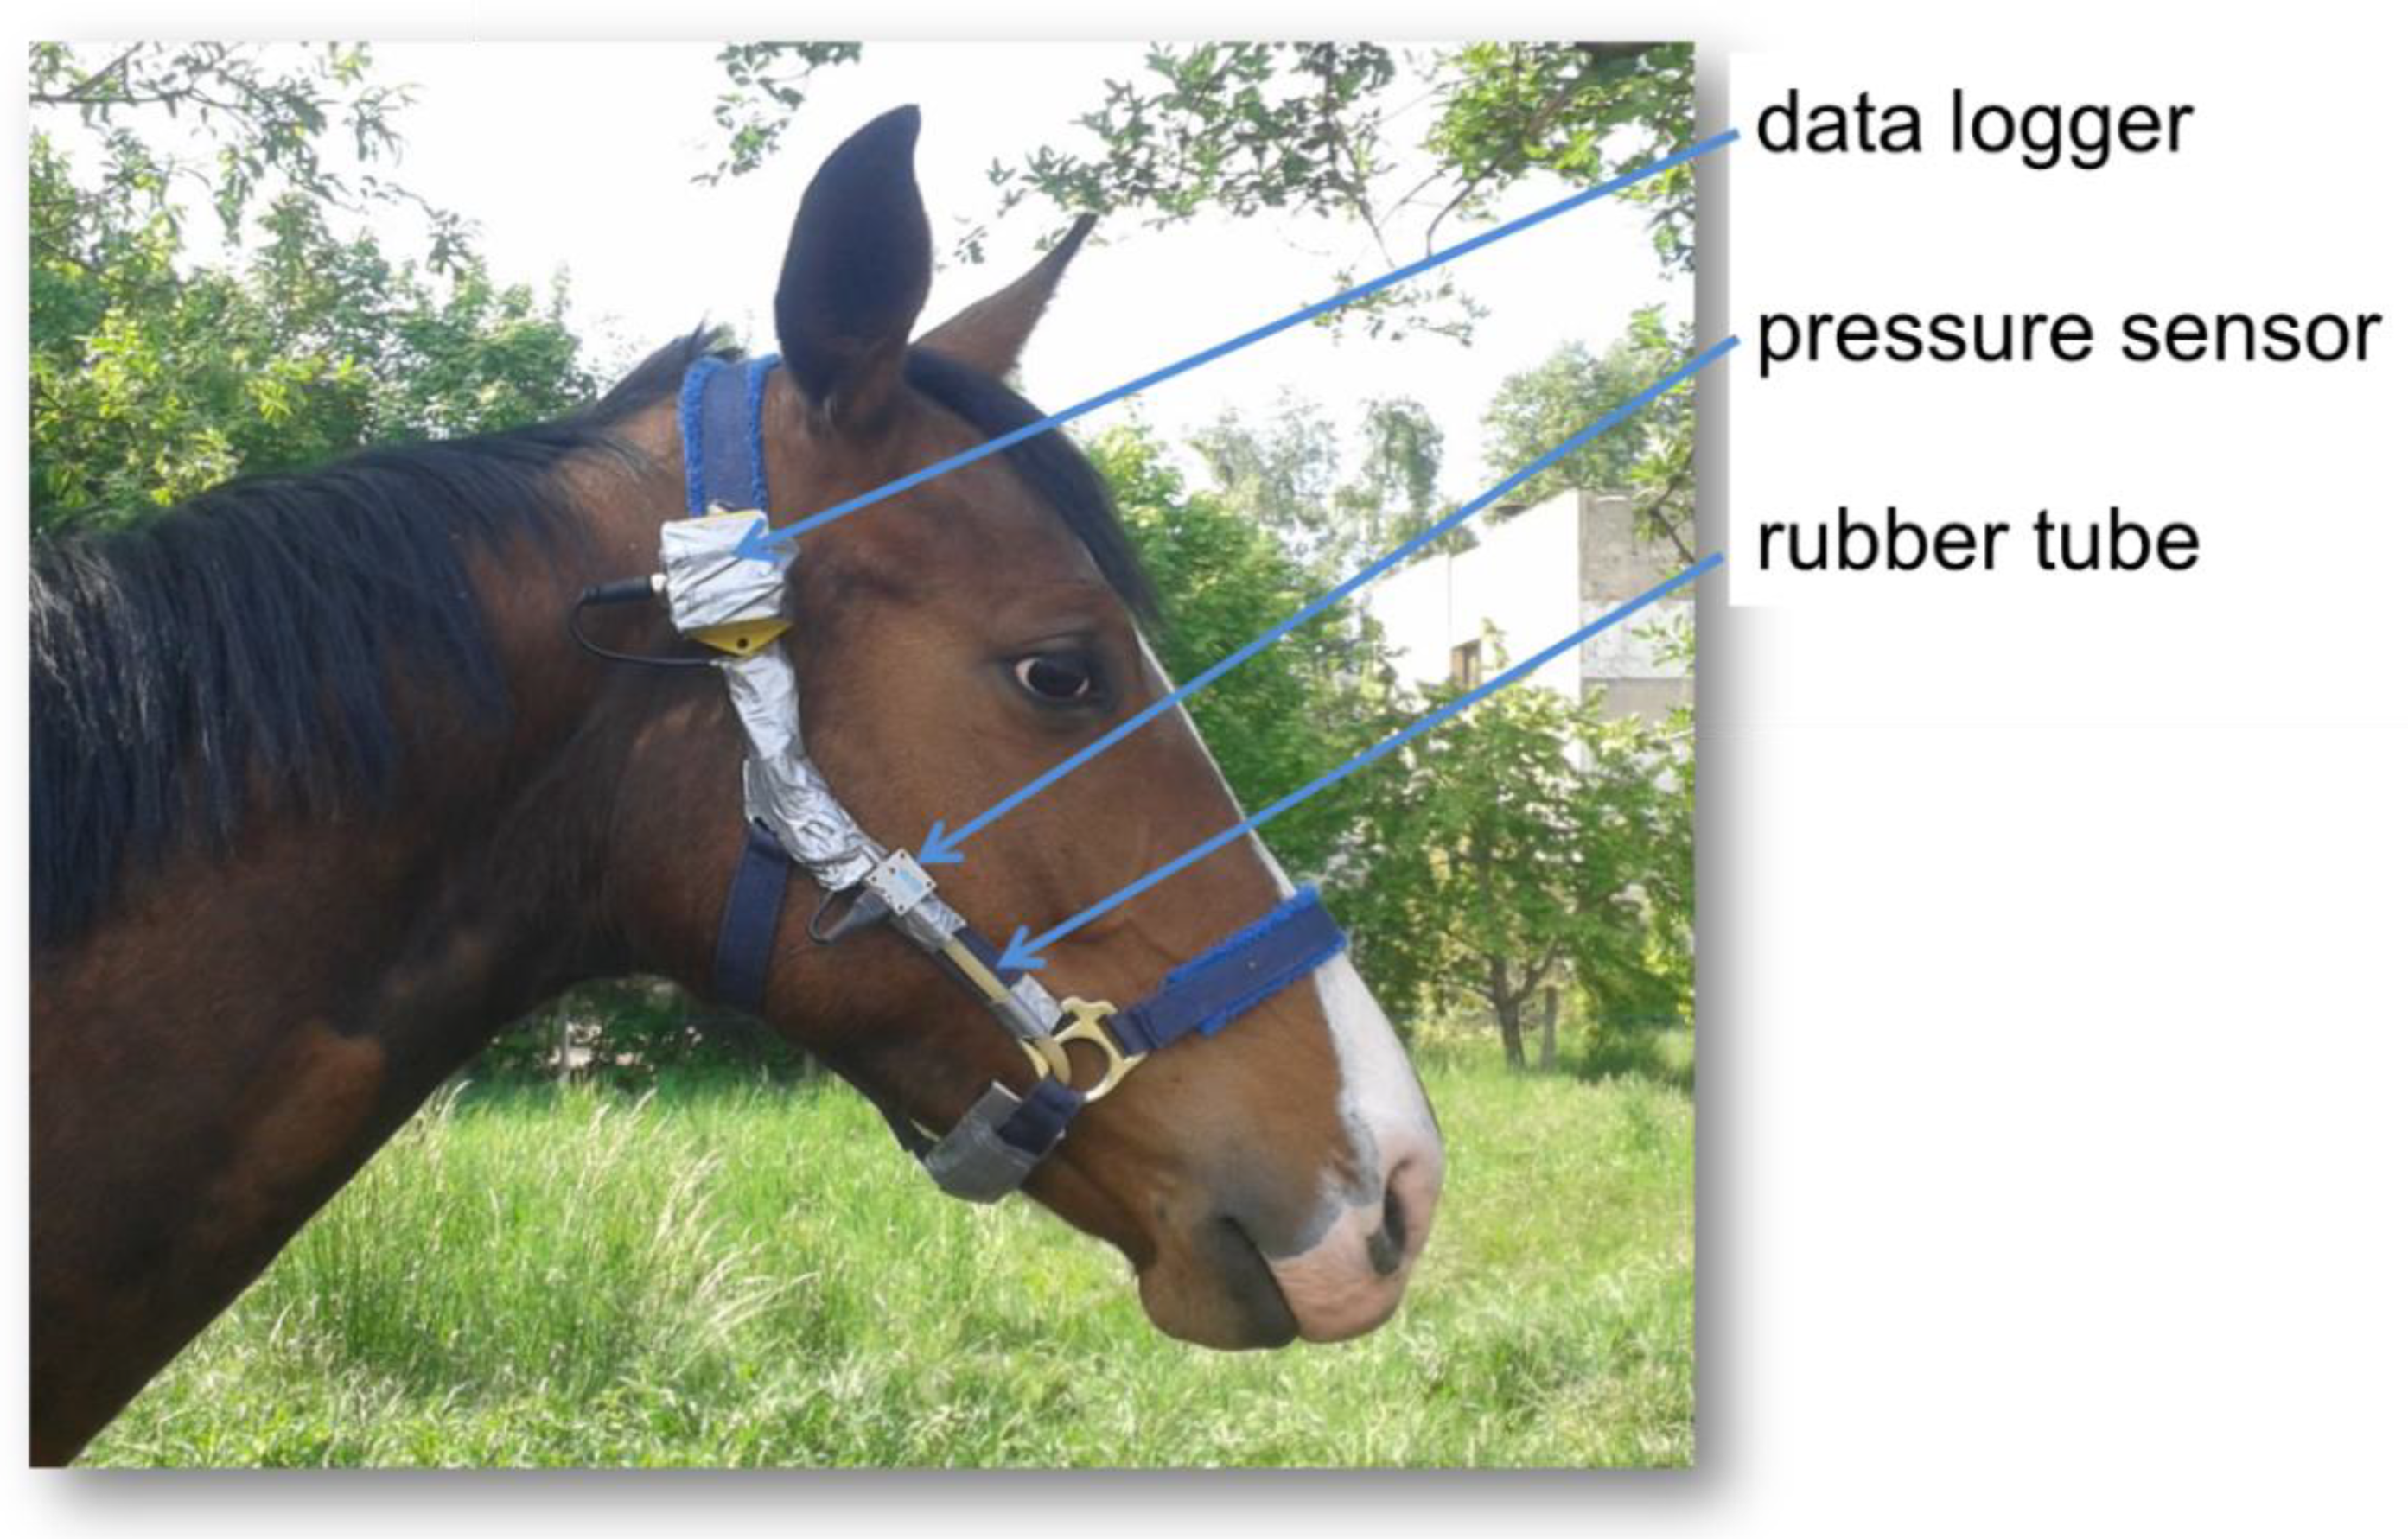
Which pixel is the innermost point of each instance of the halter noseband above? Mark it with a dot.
(734, 605)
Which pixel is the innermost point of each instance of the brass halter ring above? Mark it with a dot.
(1082, 1021)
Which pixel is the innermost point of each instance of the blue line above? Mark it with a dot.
(995, 446)
(1381, 750)
(1453, 521)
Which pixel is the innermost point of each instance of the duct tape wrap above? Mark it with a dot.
(1033, 1010)
(1026, 1009)
(709, 583)
(783, 790)
(972, 1162)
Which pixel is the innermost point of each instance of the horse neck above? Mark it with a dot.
(216, 1056)
(427, 914)
(521, 888)
(522, 835)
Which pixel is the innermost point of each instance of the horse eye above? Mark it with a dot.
(1059, 677)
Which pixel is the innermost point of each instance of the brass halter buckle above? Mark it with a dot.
(1082, 1021)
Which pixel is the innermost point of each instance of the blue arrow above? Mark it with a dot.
(1025, 955)
(941, 848)
(761, 542)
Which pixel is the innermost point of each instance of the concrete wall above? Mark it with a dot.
(1521, 577)
(1414, 607)
(1536, 577)
(1617, 564)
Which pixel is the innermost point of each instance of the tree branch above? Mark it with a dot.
(1653, 515)
(1539, 124)
(76, 94)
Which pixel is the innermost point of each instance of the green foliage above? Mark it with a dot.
(1308, 127)
(1638, 973)
(1393, 495)
(1286, 473)
(1538, 408)
(1403, 451)
(721, 1274)
(1239, 127)
(262, 113)
(1276, 474)
(635, 1033)
(1663, 478)
(1524, 840)
(765, 85)
(1582, 112)
(1282, 718)
(1311, 129)
(154, 378)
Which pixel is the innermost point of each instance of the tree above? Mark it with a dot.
(766, 86)
(262, 112)
(1494, 863)
(1312, 129)
(1286, 715)
(1580, 112)
(1643, 785)
(1394, 493)
(152, 378)
(1286, 473)
(1276, 474)
(1538, 408)
(1663, 478)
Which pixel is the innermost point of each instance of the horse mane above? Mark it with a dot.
(245, 643)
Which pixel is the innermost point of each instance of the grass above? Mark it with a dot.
(742, 1275)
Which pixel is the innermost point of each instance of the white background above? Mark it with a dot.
(2053, 1060)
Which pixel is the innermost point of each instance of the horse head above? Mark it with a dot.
(948, 645)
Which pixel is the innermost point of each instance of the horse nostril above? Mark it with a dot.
(1352, 1276)
(1387, 1242)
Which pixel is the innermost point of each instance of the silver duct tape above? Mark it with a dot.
(1039, 1012)
(709, 584)
(971, 1160)
(928, 922)
(783, 790)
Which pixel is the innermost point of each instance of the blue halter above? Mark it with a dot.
(1005, 1133)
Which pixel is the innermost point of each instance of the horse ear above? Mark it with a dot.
(856, 273)
(989, 334)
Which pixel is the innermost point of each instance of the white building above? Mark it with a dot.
(1534, 578)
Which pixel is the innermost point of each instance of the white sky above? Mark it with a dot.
(579, 156)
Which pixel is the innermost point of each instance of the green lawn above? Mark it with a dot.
(748, 1275)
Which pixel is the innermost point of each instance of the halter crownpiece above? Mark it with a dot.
(734, 605)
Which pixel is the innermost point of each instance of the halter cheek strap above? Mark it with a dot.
(734, 605)
(748, 926)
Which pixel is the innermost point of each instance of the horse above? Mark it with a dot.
(325, 796)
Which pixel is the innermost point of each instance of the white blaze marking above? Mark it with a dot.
(1378, 1095)
(1380, 1102)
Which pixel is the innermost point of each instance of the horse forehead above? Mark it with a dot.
(980, 516)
